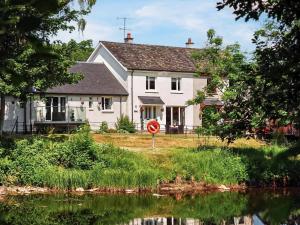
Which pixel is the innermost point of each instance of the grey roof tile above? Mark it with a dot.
(98, 80)
(153, 57)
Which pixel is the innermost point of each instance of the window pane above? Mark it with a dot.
(182, 116)
(63, 104)
(154, 112)
(147, 83)
(152, 83)
(108, 103)
(175, 116)
(179, 84)
(173, 84)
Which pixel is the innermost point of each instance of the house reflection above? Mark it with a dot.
(244, 220)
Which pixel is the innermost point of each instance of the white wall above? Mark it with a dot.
(163, 90)
(94, 115)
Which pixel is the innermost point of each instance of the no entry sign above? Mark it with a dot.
(153, 127)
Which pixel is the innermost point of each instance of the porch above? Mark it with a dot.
(154, 108)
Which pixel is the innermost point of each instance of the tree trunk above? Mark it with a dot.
(2, 113)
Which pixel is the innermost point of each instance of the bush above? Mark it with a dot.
(78, 152)
(124, 124)
(103, 128)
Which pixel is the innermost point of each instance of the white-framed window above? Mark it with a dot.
(150, 83)
(90, 102)
(107, 103)
(176, 84)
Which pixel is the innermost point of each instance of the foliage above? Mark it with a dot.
(272, 88)
(75, 162)
(124, 124)
(28, 61)
(226, 67)
(103, 127)
(210, 166)
(210, 120)
(208, 208)
(76, 51)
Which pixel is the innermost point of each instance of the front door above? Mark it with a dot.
(148, 113)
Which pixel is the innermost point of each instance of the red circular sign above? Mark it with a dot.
(153, 127)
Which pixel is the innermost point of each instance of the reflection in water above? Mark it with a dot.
(217, 208)
(244, 220)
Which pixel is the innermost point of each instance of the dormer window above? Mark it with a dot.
(176, 84)
(150, 83)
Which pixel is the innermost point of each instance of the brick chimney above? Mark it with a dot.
(129, 38)
(189, 43)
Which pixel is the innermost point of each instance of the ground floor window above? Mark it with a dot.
(175, 116)
(107, 103)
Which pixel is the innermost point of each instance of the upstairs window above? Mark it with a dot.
(176, 84)
(150, 83)
(106, 103)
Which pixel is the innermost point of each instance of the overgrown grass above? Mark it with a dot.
(78, 161)
(211, 166)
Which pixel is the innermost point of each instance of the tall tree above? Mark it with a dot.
(228, 72)
(27, 58)
(273, 86)
(76, 51)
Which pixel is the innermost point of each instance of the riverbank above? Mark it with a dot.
(77, 162)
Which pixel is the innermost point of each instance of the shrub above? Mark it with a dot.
(103, 127)
(5, 167)
(78, 152)
(124, 124)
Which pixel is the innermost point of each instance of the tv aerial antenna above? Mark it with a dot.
(124, 28)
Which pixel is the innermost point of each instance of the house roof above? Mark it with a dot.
(149, 100)
(98, 80)
(152, 57)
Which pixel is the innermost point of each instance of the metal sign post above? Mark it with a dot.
(153, 141)
(153, 128)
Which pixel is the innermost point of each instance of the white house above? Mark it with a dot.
(142, 81)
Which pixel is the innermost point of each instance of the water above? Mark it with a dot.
(216, 208)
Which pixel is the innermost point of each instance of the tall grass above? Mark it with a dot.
(78, 161)
(211, 166)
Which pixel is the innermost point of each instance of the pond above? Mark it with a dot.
(213, 208)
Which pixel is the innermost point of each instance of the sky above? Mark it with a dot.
(164, 22)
